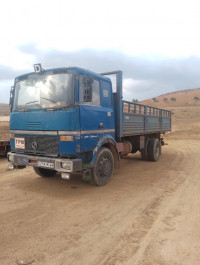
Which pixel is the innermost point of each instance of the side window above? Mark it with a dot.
(106, 90)
(89, 92)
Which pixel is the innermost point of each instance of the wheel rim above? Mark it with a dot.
(157, 150)
(105, 167)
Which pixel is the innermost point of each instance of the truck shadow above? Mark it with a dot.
(132, 171)
(60, 188)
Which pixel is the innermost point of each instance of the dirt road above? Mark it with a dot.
(148, 214)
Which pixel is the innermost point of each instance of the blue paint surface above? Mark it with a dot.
(105, 139)
(12, 143)
(69, 147)
(57, 120)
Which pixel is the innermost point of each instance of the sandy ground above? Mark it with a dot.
(148, 214)
(4, 118)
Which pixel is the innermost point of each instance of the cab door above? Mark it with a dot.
(95, 119)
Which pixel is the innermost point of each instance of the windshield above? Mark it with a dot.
(40, 91)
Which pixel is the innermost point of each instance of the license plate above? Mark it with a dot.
(45, 164)
(20, 143)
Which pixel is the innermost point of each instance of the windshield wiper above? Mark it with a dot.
(31, 102)
(56, 102)
(26, 108)
(49, 100)
(21, 108)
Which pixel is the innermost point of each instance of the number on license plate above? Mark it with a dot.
(45, 164)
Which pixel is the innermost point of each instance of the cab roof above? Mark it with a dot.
(77, 70)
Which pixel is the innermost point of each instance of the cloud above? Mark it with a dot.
(144, 77)
(28, 48)
(7, 73)
(5, 91)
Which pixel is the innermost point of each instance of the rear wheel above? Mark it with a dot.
(144, 151)
(154, 149)
(43, 172)
(103, 168)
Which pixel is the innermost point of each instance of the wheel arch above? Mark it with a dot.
(109, 142)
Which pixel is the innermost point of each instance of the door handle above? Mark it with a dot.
(101, 125)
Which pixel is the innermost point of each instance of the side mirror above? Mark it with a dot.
(11, 98)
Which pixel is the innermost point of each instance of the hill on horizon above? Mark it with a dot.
(181, 98)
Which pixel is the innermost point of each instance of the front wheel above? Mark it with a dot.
(43, 172)
(103, 168)
(154, 149)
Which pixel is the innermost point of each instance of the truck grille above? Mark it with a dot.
(40, 145)
(33, 125)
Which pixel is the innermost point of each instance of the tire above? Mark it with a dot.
(43, 172)
(20, 166)
(144, 152)
(154, 149)
(103, 168)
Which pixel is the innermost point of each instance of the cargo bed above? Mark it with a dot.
(139, 119)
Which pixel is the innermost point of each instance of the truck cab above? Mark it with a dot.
(58, 118)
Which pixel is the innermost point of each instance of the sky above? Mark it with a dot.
(155, 43)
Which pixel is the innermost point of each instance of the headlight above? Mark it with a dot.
(11, 158)
(67, 165)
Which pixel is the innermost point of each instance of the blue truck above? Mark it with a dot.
(71, 120)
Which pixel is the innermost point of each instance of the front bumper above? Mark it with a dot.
(59, 164)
